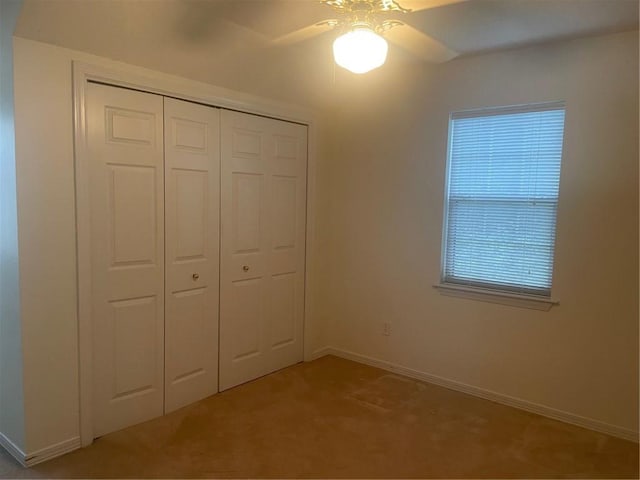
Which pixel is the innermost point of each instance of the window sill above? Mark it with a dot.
(493, 296)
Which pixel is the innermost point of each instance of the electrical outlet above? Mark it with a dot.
(386, 329)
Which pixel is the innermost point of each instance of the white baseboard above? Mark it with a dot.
(591, 424)
(13, 449)
(42, 455)
(52, 451)
(320, 352)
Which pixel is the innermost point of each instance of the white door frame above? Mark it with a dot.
(171, 86)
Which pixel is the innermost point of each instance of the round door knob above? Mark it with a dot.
(195, 276)
(245, 268)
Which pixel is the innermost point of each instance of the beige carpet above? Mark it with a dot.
(339, 419)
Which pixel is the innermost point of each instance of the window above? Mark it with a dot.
(501, 198)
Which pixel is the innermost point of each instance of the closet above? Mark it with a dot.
(197, 240)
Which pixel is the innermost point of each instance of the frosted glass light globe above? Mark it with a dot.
(360, 50)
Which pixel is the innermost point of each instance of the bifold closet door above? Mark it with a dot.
(154, 193)
(263, 203)
(192, 204)
(125, 143)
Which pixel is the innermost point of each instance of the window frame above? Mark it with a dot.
(486, 291)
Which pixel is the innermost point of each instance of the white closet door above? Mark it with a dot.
(127, 255)
(263, 206)
(192, 173)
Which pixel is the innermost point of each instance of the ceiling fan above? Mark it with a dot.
(363, 27)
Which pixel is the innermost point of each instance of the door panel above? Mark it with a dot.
(127, 240)
(248, 307)
(191, 213)
(192, 165)
(190, 306)
(284, 212)
(262, 252)
(132, 215)
(247, 200)
(283, 311)
(134, 348)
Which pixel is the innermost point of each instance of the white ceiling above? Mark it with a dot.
(480, 25)
(470, 26)
(230, 42)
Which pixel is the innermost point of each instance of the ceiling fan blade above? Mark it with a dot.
(304, 33)
(420, 44)
(416, 5)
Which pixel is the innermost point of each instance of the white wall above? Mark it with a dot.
(46, 219)
(382, 229)
(184, 38)
(11, 395)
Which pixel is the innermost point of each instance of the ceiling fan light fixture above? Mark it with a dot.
(360, 50)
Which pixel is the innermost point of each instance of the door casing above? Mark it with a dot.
(136, 78)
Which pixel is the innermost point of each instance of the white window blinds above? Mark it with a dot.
(502, 195)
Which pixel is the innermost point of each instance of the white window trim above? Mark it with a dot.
(533, 302)
(489, 295)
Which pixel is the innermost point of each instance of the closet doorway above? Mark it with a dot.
(197, 251)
